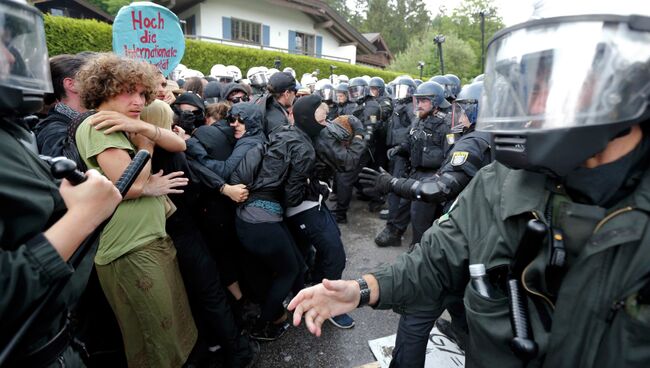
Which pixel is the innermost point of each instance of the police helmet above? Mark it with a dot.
(455, 84)
(326, 92)
(221, 73)
(433, 92)
(417, 82)
(24, 67)
(235, 72)
(378, 83)
(444, 82)
(358, 89)
(551, 99)
(465, 107)
(478, 78)
(404, 88)
(290, 71)
(257, 76)
(343, 78)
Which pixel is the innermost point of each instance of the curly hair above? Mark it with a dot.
(108, 75)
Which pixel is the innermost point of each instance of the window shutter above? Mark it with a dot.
(292, 42)
(266, 35)
(227, 28)
(319, 46)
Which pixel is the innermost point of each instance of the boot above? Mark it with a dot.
(389, 237)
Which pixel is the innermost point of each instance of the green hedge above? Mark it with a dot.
(69, 36)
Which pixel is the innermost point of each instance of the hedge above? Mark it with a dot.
(69, 36)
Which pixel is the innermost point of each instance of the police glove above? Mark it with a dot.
(376, 182)
(393, 151)
(356, 125)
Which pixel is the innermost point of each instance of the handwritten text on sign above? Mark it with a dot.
(144, 30)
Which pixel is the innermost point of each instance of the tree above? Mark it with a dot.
(456, 52)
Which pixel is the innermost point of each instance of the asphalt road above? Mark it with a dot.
(336, 347)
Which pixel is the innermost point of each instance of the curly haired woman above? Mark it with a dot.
(136, 260)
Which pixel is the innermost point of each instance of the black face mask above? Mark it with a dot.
(189, 120)
(607, 184)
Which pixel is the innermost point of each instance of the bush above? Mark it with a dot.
(69, 36)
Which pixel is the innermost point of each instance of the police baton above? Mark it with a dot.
(65, 168)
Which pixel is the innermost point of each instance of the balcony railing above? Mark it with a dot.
(261, 47)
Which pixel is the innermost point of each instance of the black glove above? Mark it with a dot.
(393, 151)
(356, 125)
(375, 182)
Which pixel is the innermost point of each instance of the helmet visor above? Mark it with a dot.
(327, 94)
(357, 92)
(224, 79)
(259, 79)
(463, 114)
(23, 52)
(402, 91)
(544, 76)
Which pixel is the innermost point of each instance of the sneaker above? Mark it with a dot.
(268, 331)
(389, 237)
(342, 321)
(383, 215)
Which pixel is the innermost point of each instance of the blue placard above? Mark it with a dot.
(148, 31)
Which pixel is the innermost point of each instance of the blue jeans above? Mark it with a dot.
(317, 227)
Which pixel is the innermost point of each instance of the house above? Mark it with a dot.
(308, 27)
(74, 9)
(380, 59)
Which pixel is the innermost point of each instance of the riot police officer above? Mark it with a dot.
(448, 85)
(326, 92)
(455, 84)
(397, 133)
(368, 112)
(425, 148)
(343, 104)
(37, 233)
(378, 93)
(561, 217)
(466, 155)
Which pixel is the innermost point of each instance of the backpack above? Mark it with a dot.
(70, 143)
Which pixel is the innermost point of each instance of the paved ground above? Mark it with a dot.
(343, 348)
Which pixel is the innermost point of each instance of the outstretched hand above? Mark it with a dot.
(322, 301)
(159, 184)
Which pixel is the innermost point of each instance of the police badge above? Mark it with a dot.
(458, 158)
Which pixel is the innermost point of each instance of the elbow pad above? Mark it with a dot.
(405, 188)
(445, 187)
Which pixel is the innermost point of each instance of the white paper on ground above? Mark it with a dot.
(441, 352)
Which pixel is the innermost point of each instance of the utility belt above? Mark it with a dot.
(51, 350)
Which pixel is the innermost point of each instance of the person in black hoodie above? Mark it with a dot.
(311, 221)
(275, 175)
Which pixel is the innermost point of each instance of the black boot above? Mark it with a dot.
(389, 237)
(446, 328)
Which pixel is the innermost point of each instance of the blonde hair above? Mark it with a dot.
(159, 114)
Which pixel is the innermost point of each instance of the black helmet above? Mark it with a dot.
(432, 91)
(465, 108)
(24, 67)
(342, 88)
(455, 84)
(377, 82)
(444, 82)
(326, 92)
(358, 89)
(404, 88)
(553, 100)
(417, 82)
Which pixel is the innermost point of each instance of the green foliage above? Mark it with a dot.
(462, 48)
(69, 36)
(456, 52)
(110, 6)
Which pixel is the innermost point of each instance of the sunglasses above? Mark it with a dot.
(239, 99)
(232, 118)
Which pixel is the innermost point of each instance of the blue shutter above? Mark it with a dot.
(319, 46)
(292, 42)
(227, 28)
(266, 35)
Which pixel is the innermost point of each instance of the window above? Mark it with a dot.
(246, 31)
(305, 44)
(189, 26)
(57, 12)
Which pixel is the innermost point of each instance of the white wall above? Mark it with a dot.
(280, 20)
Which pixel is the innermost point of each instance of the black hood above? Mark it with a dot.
(212, 90)
(250, 114)
(303, 114)
(233, 87)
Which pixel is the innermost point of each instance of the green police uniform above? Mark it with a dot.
(30, 203)
(587, 325)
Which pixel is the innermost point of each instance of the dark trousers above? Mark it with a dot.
(411, 341)
(345, 183)
(317, 227)
(422, 213)
(399, 209)
(273, 245)
(210, 308)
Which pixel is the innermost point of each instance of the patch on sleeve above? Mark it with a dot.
(459, 157)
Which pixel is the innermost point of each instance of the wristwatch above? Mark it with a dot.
(364, 293)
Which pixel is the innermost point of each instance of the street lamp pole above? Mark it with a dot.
(420, 66)
(482, 15)
(439, 39)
